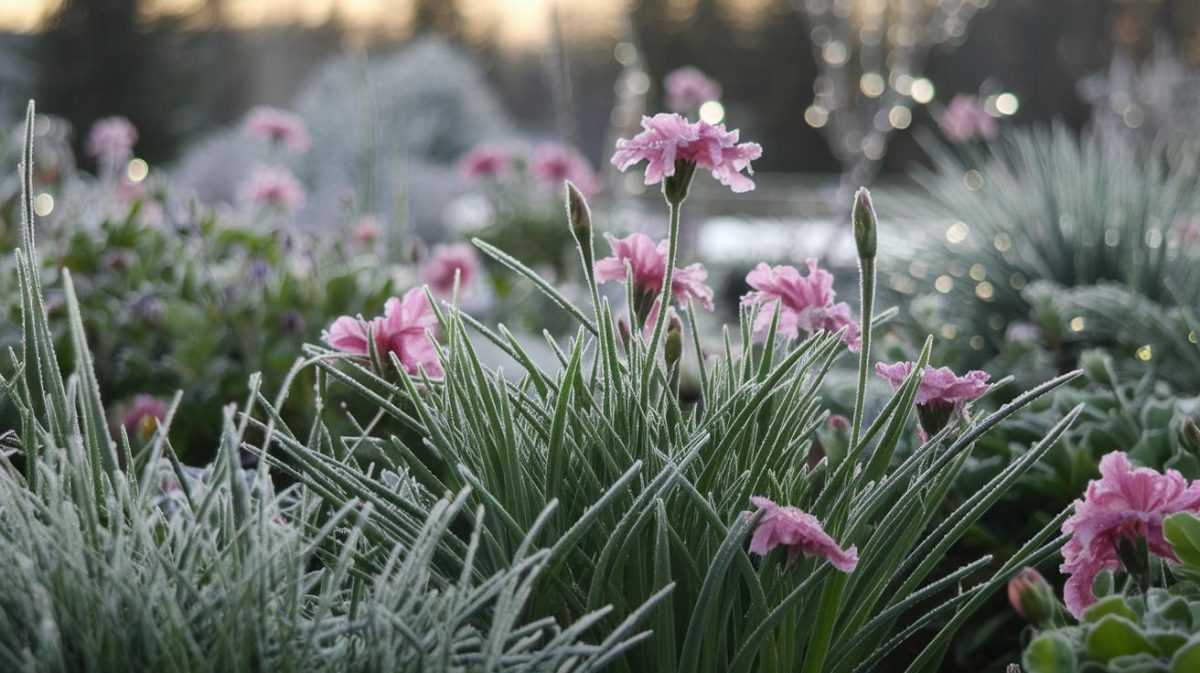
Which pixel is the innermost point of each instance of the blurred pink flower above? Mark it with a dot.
(112, 139)
(806, 302)
(838, 422)
(438, 271)
(367, 231)
(143, 415)
(274, 187)
(687, 88)
(649, 264)
(278, 127)
(966, 119)
(487, 162)
(668, 138)
(554, 163)
(800, 532)
(1124, 504)
(405, 328)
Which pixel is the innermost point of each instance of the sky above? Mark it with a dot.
(515, 23)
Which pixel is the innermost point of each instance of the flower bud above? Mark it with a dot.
(1032, 597)
(1189, 435)
(863, 216)
(673, 346)
(1097, 366)
(580, 218)
(675, 187)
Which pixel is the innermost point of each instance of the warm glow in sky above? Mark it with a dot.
(514, 23)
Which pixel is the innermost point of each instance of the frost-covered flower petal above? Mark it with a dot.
(667, 138)
(405, 329)
(1123, 504)
(800, 532)
(806, 303)
(648, 262)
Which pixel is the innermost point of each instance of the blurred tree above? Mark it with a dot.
(98, 58)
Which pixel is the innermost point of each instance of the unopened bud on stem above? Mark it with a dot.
(863, 216)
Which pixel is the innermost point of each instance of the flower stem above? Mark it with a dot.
(866, 267)
(664, 295)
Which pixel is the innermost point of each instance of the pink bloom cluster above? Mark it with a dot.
(966, 119)
(668, 138)
(554, 163)
(1123, 504)
(806, 302)
(648, 263)
(112, 139)
(275, 187)
(367, 230)
(405, 328)
(938, 386)
(439, 270)
(687, 88)
(278, 127)
(800, 532)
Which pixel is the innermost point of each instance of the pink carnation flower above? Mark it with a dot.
(668, 138)
(940, 394)
(800, 532)
(938, 386)
(648, 263)
(687, 88)
(806, 302)
(274, 187)
(1123, 504)
(965, 119)
(439, 270)
(403, 329)
(112, 139)
(554, 163)
(278, 127)
(490, 162)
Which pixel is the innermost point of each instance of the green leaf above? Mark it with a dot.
(1182, 530)
(1115, 636)
(1111, 605)
(1049, 653)
(1187, 658)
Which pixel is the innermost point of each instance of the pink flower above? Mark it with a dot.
(940, 394)
(487, 161)
(838, 422)
(669, 138)
(806, 302)
(367, 231)
(800, 532)
(687, 88)
(274, 187)
(447, 260)
(1124, 504)
(965, 119)
(112, 139)
(554, 163)
(405, 328)
(279, 127)
(143, 415)
(938, 386)
(648, 263)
